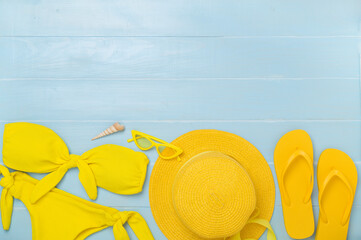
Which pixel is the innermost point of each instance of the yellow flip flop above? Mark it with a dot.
(337, 181)
(293, 159)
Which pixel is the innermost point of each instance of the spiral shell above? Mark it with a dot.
(116, 127)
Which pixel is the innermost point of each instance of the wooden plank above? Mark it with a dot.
(179, 18)
(264, 134)
(254, 99)
(21, 220)
(343, 135)
(253, 68)
(179, 58)
(70, 183)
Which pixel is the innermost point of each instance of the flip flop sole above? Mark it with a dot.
(337, 196)
(298, 215)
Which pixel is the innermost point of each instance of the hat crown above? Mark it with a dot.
(213, 195)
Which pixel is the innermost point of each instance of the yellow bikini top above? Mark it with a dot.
(34, 148)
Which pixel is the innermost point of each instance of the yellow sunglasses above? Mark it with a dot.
(146, 142)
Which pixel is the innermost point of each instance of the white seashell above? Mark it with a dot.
(116, 127)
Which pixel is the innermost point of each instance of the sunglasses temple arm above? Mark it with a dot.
(132, 139)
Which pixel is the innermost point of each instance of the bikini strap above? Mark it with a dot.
(6, 200)
(136, 222)
(86, 177)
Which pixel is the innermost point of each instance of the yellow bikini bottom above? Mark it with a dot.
(63, 216)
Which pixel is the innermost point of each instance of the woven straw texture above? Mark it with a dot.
(173, 217)
(213, 195)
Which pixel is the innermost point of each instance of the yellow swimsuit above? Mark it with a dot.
(62, 216)
(34, 148)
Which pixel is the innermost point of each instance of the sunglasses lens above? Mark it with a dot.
(167, 152)
(143, 142)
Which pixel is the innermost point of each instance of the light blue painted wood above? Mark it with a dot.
(344, 136)
(264, 134)
(71, 184)
(254, 68)
(180, 100)
(164, 58)
(21, 220)
(77, 135)
(179, 18)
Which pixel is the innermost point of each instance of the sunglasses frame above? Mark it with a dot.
(155, 142)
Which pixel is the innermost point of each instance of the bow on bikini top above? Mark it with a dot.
(34, 148)
(62, 216)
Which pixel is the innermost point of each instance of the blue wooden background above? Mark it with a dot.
(255, 68)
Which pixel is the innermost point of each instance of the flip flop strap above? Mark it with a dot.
(342, 177)
(290, 161)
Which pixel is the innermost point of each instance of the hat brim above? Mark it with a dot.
(193, 143)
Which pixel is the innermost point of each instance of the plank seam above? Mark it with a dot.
(180, 79)
(184, 121)
(144, 207)
(181, 36)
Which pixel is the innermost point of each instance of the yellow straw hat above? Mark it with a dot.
(222, 188)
